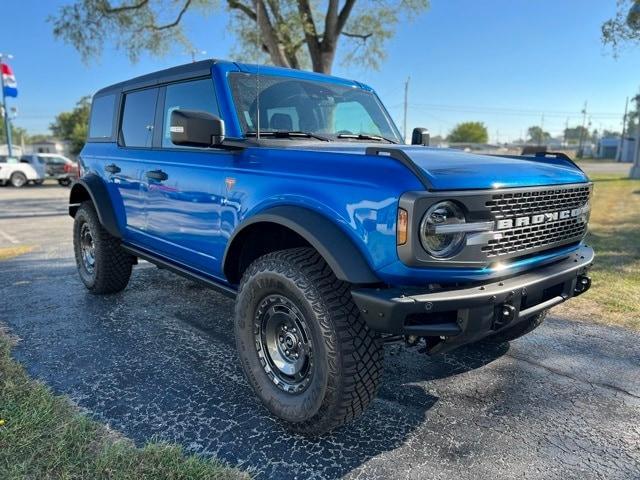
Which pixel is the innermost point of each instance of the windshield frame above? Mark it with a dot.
(246, 131)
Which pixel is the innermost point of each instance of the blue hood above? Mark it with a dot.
(448, 169)
(455, 170)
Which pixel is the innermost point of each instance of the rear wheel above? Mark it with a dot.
(64, 182)
(103, 265)
(38, 182)
(305, 349)
(18, 179)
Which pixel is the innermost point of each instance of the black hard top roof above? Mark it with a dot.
(181, 72)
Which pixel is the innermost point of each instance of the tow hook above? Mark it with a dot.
(505, 314)
(583, 284)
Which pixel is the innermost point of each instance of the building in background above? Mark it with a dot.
(608, 147)
(628, 149)
(52, 145)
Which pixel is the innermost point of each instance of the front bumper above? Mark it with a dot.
(464, 315)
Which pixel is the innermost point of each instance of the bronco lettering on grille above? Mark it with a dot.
(579, 213)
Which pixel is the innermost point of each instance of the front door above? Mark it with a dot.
(184, 186)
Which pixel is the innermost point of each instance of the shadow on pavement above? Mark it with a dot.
(158, 361)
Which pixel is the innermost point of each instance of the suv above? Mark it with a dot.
(60, 168)
(293, 193)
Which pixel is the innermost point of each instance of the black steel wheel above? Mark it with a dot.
(306, 351)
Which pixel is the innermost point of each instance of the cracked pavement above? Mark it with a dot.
(158, 361)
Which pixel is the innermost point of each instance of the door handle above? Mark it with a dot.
(157, 175)
(112, 168)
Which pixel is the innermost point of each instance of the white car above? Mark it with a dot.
(18, 174)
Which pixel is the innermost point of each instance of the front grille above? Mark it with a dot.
(541, 236)
(518, 204)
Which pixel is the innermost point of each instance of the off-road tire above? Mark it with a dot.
(348, 356)
(520, 329)
(112, 265)
(18, 179)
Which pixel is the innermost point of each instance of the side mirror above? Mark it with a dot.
(420, 136)
(191, 128)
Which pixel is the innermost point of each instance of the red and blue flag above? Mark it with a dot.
(9, 81)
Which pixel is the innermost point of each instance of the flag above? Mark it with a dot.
(9, 81)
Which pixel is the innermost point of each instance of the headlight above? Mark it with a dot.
(438, 233)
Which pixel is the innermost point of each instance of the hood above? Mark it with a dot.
(448, 169)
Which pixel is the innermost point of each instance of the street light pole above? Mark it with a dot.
(7, 125)
(635, 170)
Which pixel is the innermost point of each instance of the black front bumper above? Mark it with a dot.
(464, 315)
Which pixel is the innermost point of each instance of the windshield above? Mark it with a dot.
(320, 108)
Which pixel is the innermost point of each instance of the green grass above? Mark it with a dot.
(614, 233)
(43, 436)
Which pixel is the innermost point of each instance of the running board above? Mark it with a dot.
(182, 271)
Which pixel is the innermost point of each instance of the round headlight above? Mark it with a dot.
(437, 241)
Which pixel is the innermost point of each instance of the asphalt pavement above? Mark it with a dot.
(158, 361)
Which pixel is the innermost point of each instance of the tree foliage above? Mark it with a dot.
(624, 27)
(538, 135)
(573, 134)
(17, 133)
(289, 33)
(469, 132)
(73, 126)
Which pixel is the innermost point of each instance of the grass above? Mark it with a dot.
(9, 252)
(614, 233)
(43, 436)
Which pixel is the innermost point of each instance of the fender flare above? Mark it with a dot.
(338, 250)
(93, 186)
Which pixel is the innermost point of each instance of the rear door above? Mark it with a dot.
(123, 165)
(184, 185)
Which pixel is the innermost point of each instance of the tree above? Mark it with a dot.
(73, 126)
(291, 33)
(538, 135)
(17, 133)
(469, 132)
(573, 134)
(624, 27)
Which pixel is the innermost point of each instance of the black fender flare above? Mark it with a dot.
(93, 186)
(338, 250)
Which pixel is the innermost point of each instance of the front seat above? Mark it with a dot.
(281, 122)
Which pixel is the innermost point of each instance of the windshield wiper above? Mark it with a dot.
(288, 134)
(364, 136)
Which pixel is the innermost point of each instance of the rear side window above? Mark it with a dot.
(138, 117)
(101, 122)
(193, 95)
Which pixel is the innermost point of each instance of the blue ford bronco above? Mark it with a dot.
(294, 193)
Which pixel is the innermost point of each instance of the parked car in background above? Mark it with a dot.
(63, 169)
(38, 165)
(18, 173)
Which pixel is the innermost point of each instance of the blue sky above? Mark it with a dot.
(503, 62)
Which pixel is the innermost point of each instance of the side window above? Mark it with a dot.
(137, 118)
(101, 122)
(194, 95)
(353, 117)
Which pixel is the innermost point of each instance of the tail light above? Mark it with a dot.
(67, 168)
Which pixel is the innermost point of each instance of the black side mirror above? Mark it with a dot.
(191, 128)
(420, 136)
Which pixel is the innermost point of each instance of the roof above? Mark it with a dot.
(188, 70)
(203, 68)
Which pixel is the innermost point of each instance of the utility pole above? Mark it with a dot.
(5, 110)
(541, 130)
(635, 170)
(584, 121)
(406, 106)
(566, 127)
(624, 131)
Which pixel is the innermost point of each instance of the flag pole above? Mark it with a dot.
(7, 127)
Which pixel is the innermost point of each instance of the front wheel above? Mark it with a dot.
(305, 349)
(103, 265)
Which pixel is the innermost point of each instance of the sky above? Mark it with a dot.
(508, 63)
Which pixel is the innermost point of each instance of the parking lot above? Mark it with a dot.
(158, 361)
